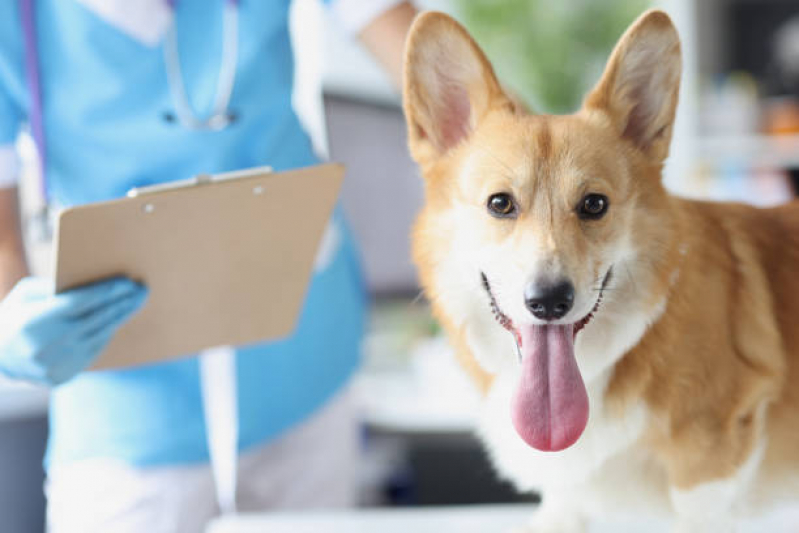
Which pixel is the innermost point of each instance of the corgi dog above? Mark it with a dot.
(635, 350)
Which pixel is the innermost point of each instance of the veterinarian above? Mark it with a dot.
(125, 94)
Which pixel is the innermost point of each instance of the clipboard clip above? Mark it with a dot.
(196, 181)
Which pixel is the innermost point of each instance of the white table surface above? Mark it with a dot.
(467, 519)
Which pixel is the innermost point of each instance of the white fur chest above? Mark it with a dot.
(607, 434)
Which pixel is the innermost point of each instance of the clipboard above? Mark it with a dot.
(227, 258)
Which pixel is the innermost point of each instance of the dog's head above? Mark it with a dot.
(538, 217)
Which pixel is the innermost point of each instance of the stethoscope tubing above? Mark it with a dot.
(219, 118)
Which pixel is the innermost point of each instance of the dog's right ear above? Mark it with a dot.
(449, 86)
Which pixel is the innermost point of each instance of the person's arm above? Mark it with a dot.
(13, 265)
(385, 36)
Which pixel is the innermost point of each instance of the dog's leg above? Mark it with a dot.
(715, 505)
(707, 507)
(557, 514)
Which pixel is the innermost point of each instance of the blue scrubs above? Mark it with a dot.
(105, 95)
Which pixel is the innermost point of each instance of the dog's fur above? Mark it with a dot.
(690, 361)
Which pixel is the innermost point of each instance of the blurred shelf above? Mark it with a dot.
(752, 150)
(377, 93)
(398, 403)
(413, 385)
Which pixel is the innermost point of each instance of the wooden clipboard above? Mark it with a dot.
(227, 258)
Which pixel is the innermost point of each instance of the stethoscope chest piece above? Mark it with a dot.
(212, 123)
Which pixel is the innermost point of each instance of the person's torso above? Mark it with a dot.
(105, 99)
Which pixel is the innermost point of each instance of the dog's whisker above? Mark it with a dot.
(418, 298)
(631, 278)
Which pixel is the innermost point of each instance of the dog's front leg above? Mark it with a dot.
(707, 507)
(713, 504)
(558, 513)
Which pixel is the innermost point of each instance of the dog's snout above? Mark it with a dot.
(549, 302)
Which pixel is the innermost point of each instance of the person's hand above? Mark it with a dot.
(48, 338)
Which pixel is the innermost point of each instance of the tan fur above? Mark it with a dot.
(715, 369)
(716, 355)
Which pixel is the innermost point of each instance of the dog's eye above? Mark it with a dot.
(501, 205)
(593, 206)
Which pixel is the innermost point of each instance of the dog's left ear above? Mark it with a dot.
(639, 89)
(449, 86)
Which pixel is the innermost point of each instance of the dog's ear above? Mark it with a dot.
(639, 89)
(449, 86)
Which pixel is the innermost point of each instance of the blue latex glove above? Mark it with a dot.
(49, 338)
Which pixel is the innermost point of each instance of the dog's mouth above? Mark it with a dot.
(550, 405)
(506, 322)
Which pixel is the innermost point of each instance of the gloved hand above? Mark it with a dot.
(49, 338)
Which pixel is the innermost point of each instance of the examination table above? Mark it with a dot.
(463, 519)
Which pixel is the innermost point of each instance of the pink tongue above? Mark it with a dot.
(550, 408)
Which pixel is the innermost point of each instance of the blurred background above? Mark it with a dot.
(737, 138)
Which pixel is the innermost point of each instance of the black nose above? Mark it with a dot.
(549, 302)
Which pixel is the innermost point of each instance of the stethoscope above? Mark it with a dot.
(219, 118)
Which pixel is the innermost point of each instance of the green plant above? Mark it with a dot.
(548, 51)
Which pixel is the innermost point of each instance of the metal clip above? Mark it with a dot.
(201, 179)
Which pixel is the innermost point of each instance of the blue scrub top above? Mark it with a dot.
(105, 95)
